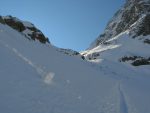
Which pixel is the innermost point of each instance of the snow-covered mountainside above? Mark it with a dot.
(37, 78)
(133, 13)
(126, 37)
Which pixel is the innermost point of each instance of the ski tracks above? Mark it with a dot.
(115, 102)
(123, 102)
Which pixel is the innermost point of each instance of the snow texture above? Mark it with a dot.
(36, 78)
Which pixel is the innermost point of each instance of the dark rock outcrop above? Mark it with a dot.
(2, 20)
(144, 27)
(34, 34)
(136, 60)
(12, 22)
(147, 41)
(140, 62)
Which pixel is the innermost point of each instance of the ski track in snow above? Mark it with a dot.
(48, 79)
(47, 76)
(123, 104)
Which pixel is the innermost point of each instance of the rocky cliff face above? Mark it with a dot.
(134, 15)
(126, 37)
(26, 28)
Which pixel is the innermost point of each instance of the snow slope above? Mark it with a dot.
(36, 78)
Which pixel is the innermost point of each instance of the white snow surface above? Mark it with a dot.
(36, 78)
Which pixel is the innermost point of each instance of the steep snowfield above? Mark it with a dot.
(36, 78)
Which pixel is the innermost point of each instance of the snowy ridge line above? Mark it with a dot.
(47, 76)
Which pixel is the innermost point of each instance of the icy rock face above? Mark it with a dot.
(26, 28)
(129, 14)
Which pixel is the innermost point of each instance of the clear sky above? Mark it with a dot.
(70, 24)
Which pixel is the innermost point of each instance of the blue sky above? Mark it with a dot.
(70, 24)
